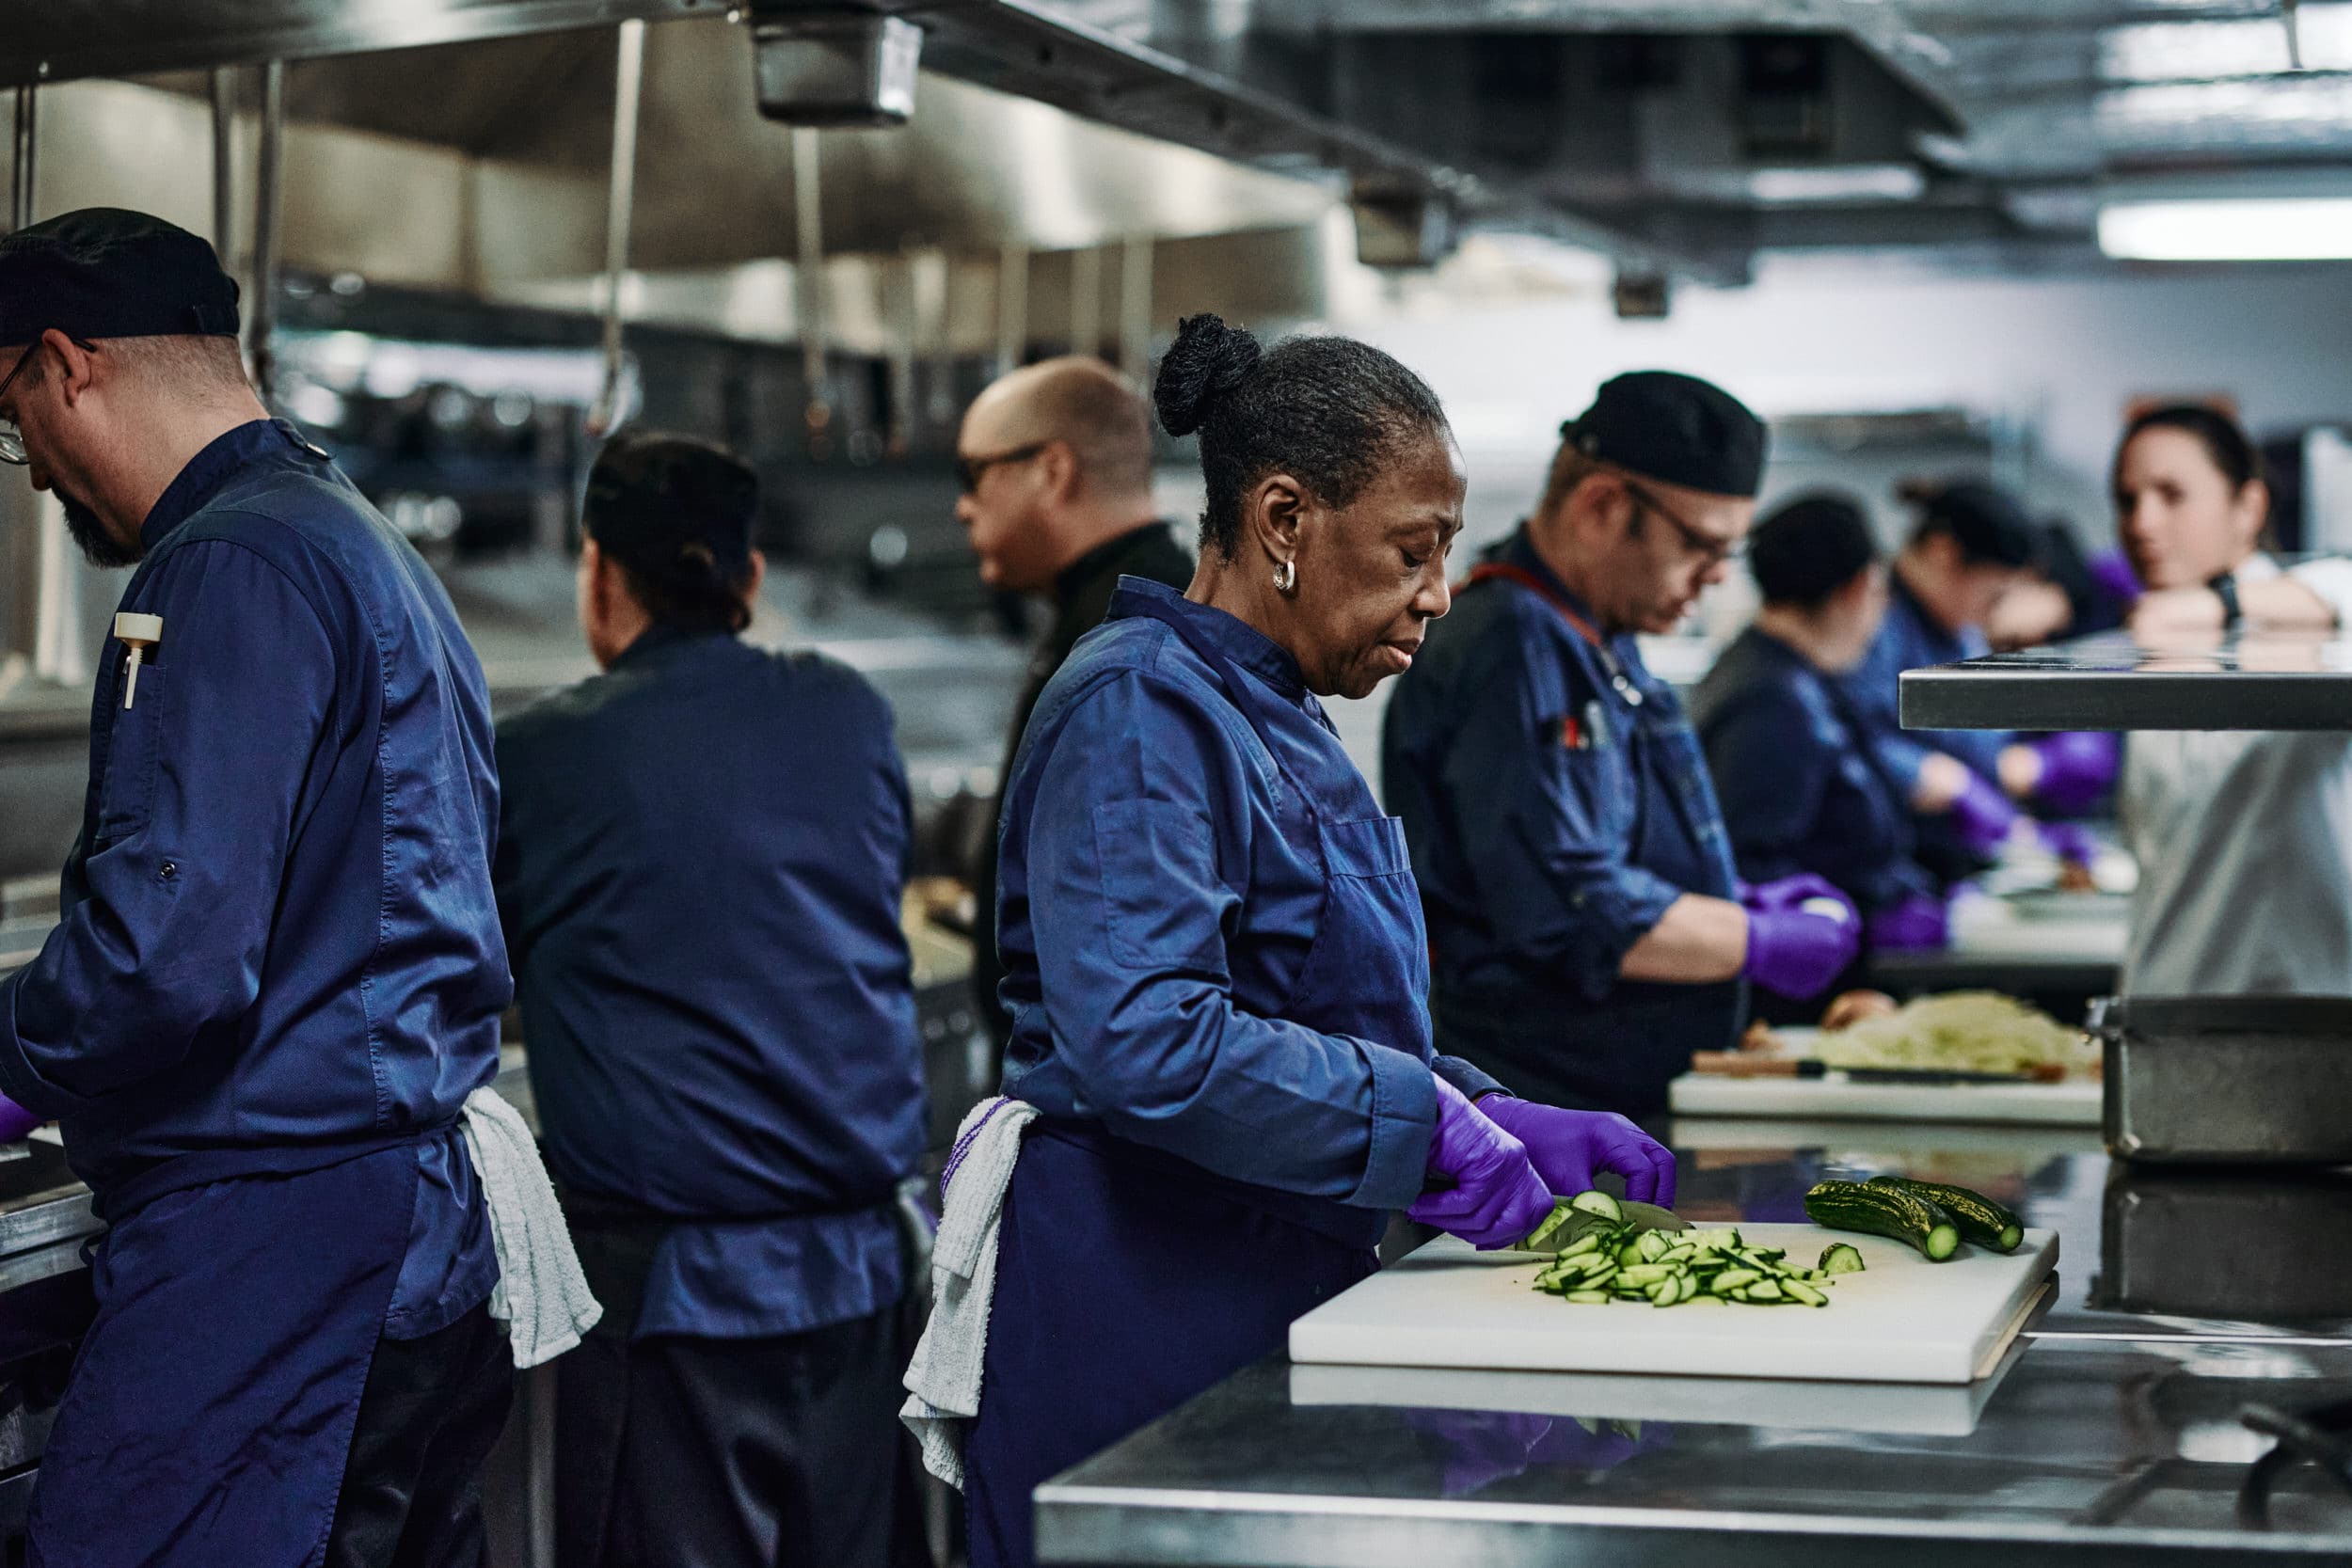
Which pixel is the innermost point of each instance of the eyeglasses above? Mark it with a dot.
(1716, 552)
(971, 471)
(12, 439)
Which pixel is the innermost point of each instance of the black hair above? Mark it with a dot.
(696, 597)
(1810, 548)
(2224, 439)
(1331, 412)
(676, 514)
(1988, 523)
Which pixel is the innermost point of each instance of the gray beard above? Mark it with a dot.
(98, 547)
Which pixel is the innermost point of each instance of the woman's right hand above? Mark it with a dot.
(1495, 1198)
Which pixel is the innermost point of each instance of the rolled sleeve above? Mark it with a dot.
(1137, 865)
(1404, 1118)
(189, 838)
(1548, 829)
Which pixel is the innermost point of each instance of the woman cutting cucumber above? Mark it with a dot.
(1213, 943)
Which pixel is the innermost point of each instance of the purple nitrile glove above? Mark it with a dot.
(1983, 815)
(1917, 923)
(1786, 893)
(1495, 1197)
(15, 1120)
(2078, 766)
(1797, 953)
(2069, 841)
(1567, 1147)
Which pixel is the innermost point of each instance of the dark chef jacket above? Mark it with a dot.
(1555, 813)
(276, 976)
(278, 939)
(1800, 786)
(1082, 596)
(700, 870)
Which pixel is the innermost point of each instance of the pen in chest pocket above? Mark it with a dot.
(137, 633)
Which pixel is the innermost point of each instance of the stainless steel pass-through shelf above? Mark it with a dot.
(2265, 681)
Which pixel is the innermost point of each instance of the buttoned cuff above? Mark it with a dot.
(1403, 1119)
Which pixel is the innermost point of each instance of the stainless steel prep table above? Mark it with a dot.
(2110, 1437)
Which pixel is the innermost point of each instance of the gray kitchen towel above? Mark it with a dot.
(944, 1379)
(541, 1296)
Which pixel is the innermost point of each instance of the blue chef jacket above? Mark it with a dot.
(700, 870)
(1179, 849)
(1555, 813)
(277, 941)
(1911, 639)
(277, 975)
(1801, 789)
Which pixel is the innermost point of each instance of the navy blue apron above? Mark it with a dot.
(1128, 1280)
(210, 1408)
(1619, 1054)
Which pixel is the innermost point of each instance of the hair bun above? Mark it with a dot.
(1207, 360)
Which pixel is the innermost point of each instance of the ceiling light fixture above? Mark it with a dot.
(2306, 229)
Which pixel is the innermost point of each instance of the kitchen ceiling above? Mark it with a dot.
(1684, 136)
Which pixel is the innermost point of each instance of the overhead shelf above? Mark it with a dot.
(2265, 681)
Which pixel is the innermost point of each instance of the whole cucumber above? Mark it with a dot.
(1980, 1220)
(1884, 1211)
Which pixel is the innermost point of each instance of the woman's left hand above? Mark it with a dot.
(1567, 1147)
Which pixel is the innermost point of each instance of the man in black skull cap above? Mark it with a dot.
(1587, 929)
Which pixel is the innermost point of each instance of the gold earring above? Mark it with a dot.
(1285, 576)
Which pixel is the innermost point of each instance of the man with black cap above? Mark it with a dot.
(1587, 931)
(1972, 544)
(700, 866)
(277, 972)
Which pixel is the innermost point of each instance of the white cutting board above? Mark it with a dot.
(1903, 1320)
(1835, 1097)
(1905, 1409)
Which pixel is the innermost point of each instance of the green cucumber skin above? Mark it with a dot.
(1884, 1211)
(1980, 1220)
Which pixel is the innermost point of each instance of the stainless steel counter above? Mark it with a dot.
(2109, 1436)
(2255, 681)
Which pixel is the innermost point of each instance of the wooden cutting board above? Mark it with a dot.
(1903, 1320)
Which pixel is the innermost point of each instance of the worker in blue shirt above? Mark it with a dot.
(1802, 791)
(1213, 947)
(277, 972)
(700, 867)
(1587, 928)
(1969, 788)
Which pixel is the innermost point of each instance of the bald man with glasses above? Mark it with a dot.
(1587, 931)
(1056, 465)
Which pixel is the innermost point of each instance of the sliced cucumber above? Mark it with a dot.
(1600, 1203)
(1798, 1290)
(1841, 1258)
(1588, 1298)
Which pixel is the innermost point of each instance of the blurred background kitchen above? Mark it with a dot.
(1921, 239)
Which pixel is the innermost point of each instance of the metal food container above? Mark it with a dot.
(2226, 1080)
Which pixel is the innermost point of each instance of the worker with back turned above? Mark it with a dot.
(700, 870)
